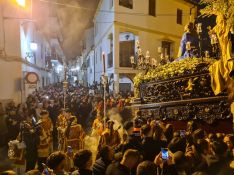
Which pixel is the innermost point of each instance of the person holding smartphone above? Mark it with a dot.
(69, 159)
(165, 156)
(172, 163)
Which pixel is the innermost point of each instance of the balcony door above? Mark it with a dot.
(126, 50)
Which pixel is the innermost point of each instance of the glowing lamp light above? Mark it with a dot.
(33, 46)
(59, 68)
(21, 3)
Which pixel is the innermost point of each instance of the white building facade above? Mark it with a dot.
(23, 49)
(118, 24)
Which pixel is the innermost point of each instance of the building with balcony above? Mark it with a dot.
(118, 24)
(24, 48)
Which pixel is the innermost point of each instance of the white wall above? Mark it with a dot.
(103, 20)
(90, 69)
(18, 34)
(10, 80)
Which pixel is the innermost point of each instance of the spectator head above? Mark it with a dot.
(169, 129)
(138, 113)
(146, 131)
(202, 146)
(146, 168)
(83, 159)
(137, 122)
(99, 116)
(218, 148)
(177, 144)
(44, 113)
(220, 136)
(179, 158)
(62, 111)
(110, 124)
(229, 141)
(128, 126)
(212, 137)
(131, 158)
(176, 134)
(106, 153)
(169, 132)
(192, 126)
(157, 132)
(198, 134)
(56, 161)
(68, 111)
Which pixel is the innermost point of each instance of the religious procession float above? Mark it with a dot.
(198, 85)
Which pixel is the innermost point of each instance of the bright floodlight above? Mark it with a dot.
(21, 3)
(33, 46)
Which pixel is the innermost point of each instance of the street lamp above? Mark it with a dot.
(21, 3)
(33, 46)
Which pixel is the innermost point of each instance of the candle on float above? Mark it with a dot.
(188, 46)
(159, 49)
(162, 56)
(139, 51)
(199, 28)
(154, 62)
(138, 43)
(132, 59)
(215, 39)
(147, 57)
(212, 40)
(103, 62)
(147, 53)
(207, 55)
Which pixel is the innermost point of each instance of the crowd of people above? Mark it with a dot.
(43, 137)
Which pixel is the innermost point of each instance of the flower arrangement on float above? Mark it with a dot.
(173, 70)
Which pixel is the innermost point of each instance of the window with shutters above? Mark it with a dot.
(179, 16)
(152, 7)
(126, 50)
(126, 3)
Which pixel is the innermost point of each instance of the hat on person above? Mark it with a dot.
(44, 112)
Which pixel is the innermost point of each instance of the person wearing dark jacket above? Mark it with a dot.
(132, 141)
(151, 148)
(30, 136)
(83, 161)
(146, 168)
(126, 166)
(218, 163)
(104, 158)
